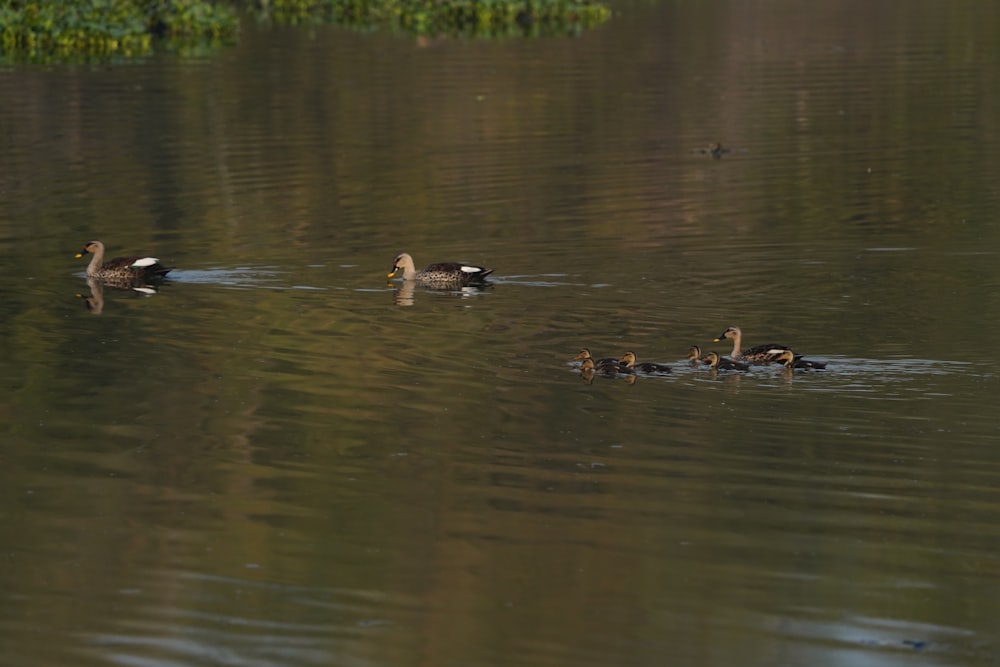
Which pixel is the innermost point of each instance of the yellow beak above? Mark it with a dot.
(79, 255)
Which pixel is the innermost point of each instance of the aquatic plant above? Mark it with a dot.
(102, 28)
(108, 27)
(478, 17)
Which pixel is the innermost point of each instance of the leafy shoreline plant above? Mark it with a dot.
(474, 17)
(96, 28)
(104, 27)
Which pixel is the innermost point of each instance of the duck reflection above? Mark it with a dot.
(95, 302)
(403, 292)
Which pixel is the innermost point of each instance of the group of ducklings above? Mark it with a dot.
(739, 360)
(627, 365)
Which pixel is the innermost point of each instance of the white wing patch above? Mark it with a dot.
(471, 269)
(145, 261)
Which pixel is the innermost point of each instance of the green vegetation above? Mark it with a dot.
(474, 17)
(96, 28)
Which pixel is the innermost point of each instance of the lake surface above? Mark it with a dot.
(281, 458)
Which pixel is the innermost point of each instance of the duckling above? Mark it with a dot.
(121, 268)
(758, 354)
(584, 354)
(789, 359)
(443, 274)
(694, 354)
(715, 362)
(587, 370)
(628, 361)
(609, 370)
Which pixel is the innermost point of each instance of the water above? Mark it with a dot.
(282, 458)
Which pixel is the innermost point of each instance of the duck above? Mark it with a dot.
(588, 369)
(694, 354)
(716, 150)
(585, 354)
(789, 359)
(121, 268)
(715, 362)
(590, 366)
(605, 365)
(758, 354)
(442, 274)
(628, 361)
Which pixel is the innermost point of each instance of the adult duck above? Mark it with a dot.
(442, 274)
(758, 354)
(121, 268)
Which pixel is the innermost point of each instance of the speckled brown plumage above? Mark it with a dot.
(442, 274)
(121, 268)
(758, 354)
